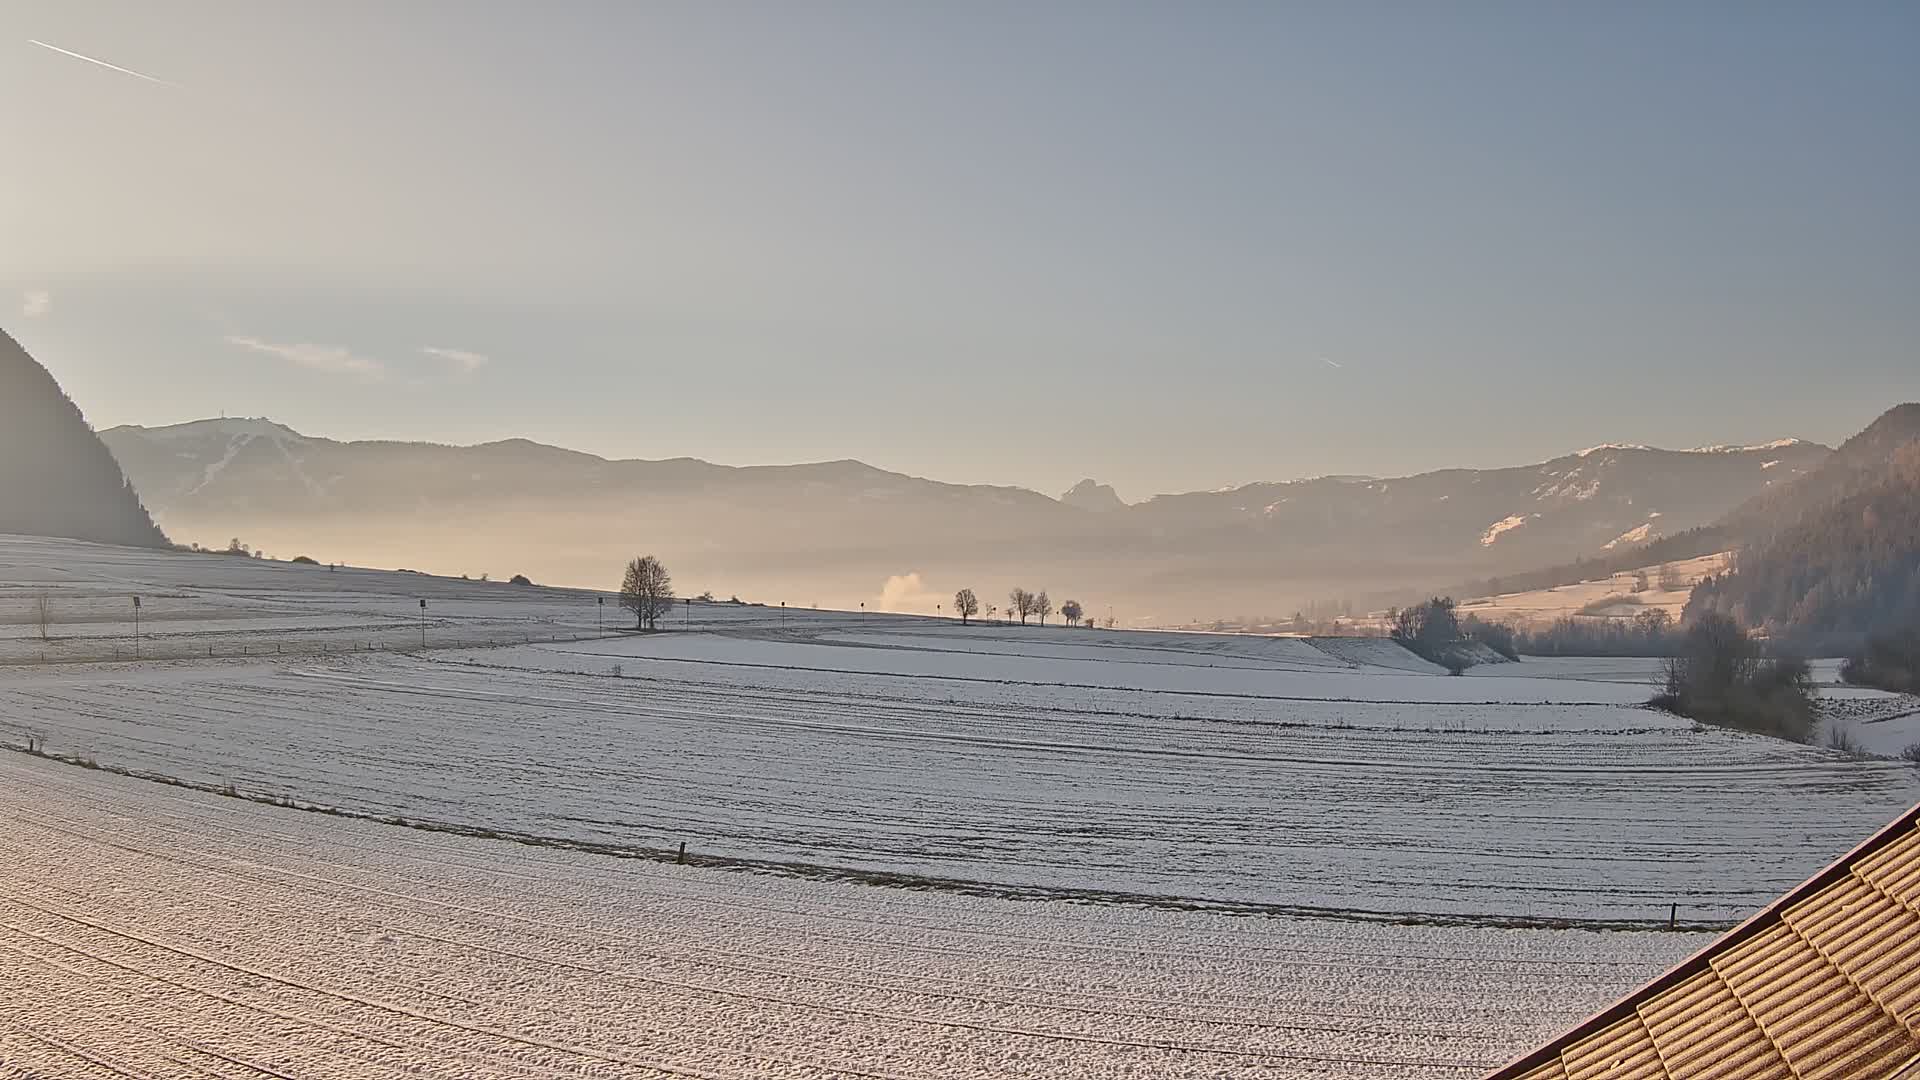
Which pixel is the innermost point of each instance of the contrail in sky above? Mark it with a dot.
(1330, 363)
(102, 63)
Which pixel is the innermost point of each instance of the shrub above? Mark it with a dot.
(1496, 636)
(519, 579)
(1718, 677)
(1911, 753)
(1853, 671)
(1889, 661)
(1840, 737)
(1431, 631)
(304, 560)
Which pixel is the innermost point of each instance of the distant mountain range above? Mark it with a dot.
(56, 479)
(835, 532)
(1092, 495)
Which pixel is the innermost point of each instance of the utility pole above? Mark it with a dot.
(423, 622)
(601, 629)
(136, 628)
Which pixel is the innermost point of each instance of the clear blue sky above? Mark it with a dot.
(982, 242)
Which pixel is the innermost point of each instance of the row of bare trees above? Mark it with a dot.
(647, 591)
(1029, 605)
(1020, 603)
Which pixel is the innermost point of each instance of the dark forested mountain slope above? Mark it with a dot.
(1840, 558)
(56, 476)
(1867, 462)
(1827, 533)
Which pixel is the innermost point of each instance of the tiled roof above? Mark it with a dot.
(1822, 985)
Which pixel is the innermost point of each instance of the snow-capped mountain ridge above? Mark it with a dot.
(1777, 444)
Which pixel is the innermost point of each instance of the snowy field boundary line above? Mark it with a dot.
(1230, 694)
(889, 879)
(1400, 961)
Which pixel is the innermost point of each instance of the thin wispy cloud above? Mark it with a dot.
(461, 361)
(1331, 363)
(35, 303)
(102, 63)
(328, 359)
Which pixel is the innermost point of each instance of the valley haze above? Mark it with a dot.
(837, 533)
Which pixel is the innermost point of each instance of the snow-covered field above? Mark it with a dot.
(1184, 770)
(1397, 807)
(1112, 854)
(150, 931)
(1875, 722)
(201, 605)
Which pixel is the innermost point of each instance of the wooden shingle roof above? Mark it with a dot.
(1822, 985)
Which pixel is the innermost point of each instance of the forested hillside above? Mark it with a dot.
(56, 476)
(1861, 466)
(1839, 557)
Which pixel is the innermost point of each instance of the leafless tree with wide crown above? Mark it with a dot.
(1020, 602)
(647, 591)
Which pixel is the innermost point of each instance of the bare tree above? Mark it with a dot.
(1042, 606)
(1071, 611)
(43, 617)
(1671, 580)
(647, 591)
(967, 604)
(990, 611)
(1019, 602)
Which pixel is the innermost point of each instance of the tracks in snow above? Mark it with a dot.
(158, 932)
